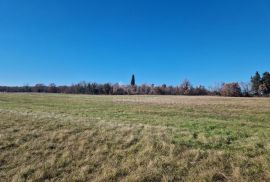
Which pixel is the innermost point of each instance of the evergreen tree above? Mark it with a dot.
(266, 81)
(132, 83)
(256, 82)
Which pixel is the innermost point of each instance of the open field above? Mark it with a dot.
(50, 137)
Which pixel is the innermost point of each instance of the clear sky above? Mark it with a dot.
(160, 41)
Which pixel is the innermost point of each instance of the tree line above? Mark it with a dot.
(258, 86)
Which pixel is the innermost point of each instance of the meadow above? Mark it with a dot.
(60, 137)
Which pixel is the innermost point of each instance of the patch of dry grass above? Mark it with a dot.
(46, 137)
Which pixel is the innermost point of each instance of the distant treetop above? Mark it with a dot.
(133, 83)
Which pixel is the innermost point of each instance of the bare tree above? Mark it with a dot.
(185, 88)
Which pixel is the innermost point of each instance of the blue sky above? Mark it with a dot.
(64, 42)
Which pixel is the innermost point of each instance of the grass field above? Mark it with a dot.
(50, 137)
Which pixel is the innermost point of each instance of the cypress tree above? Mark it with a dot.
(132, 83)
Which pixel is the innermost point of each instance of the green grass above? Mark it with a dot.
(53, 137)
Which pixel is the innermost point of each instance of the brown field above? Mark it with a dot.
(51, 137)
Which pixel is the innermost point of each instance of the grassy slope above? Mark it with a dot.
(133, 138)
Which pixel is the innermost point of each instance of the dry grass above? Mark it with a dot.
(46, 137)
